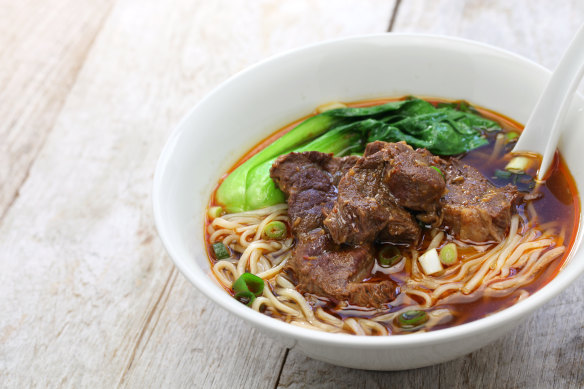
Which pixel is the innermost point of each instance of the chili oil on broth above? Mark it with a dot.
(557, 209)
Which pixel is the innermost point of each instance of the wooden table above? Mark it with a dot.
(89, 92)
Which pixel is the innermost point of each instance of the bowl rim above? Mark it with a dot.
(202, 280)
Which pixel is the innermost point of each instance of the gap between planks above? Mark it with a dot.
(159, 304)
(164, 295)
(281, 368)
(393, 16)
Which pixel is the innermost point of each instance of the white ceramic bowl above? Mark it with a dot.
(256, 102)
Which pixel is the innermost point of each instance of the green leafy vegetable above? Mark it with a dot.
(232, 191)
(448, 129)
(261, 191)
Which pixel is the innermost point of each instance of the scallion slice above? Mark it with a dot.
(449, 254)
(503, 174)
(412, 319)
(247, 287)
(512, 135)
(388, 256)
(518, 164)
(215, 212)
(275, 230)
(245, 297)
(221, 251)
(438, 170)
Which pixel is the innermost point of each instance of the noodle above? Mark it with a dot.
(484, 270)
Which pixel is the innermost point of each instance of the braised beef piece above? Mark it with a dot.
(309, 180)
(339, 206)
(415, 182)
(473, 208)
(373, 194)
(327, 269)
(412, 177)
(321, 266)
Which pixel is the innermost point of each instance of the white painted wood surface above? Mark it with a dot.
(89, 92)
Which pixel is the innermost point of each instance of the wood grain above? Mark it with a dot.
(539, 30)
(90, 93)
(547, 351)
(88, 294)
(227, 351)
(43, 47)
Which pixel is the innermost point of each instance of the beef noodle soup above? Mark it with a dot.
(335, 223)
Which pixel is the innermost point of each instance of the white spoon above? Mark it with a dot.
(543, 128)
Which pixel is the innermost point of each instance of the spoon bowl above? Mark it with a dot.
(544, 127)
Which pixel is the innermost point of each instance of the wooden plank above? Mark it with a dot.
(89, 296)
(226, 351)
(44, 44)
(547, 350)
(536, 29)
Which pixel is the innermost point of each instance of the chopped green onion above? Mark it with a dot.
(247, 287)
(412, 319)
(523, 182)
(215, 212)
(245, 297)
(504, 174)
(275, 230)
(518, 165)
(389, 256)
(221, 251)
(449, 254)
(430, 262)
(438, 170)
(511, 136)
(249, 282)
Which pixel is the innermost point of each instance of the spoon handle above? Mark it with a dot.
(542, 130)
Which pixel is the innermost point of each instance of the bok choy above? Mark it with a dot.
(448, 129)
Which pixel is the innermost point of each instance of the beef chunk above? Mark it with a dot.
(321, 266)
(362, 293)
(308, 179)
(326, 269)
(473, 208)
(372, 195)
(401, 227)
(411, 178)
